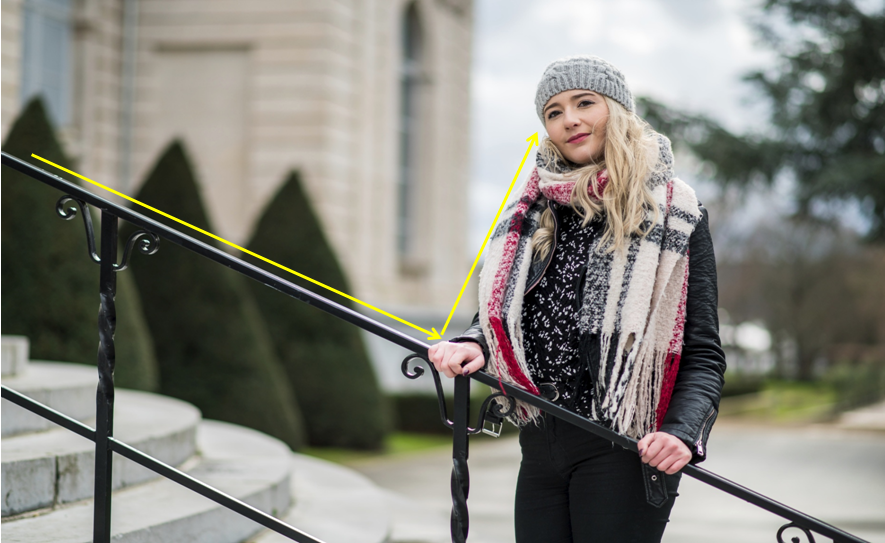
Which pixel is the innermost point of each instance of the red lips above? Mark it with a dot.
(577, 138)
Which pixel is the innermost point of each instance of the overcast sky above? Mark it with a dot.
(686, 53)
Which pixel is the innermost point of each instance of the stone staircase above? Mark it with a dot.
(47, 471)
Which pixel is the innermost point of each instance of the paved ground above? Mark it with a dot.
(831, 473)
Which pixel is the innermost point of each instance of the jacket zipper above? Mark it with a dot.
(699, 444)
(552, 248)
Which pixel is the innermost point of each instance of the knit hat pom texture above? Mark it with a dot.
(583, 72)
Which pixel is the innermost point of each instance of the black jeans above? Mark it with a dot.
(574, 487)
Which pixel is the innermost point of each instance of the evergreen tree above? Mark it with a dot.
(827, 97)
(827, 131)
(827, 94)
(50, 285)
(324, 357)
(211, 341)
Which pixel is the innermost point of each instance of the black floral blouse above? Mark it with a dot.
(550, 314)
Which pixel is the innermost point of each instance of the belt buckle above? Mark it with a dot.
(555, 389)
(495, 430)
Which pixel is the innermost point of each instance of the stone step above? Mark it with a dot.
(334, 504)
(54, 467)
(69, 388)
(249, 465)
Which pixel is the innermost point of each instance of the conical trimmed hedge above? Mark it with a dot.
(50, 285)
(132, 339)
(210, 339)
(325, 358)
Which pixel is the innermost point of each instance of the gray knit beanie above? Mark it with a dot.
(582, 72)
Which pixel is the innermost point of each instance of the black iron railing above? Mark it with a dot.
(147, 241)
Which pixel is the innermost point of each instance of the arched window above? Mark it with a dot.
(411, 74)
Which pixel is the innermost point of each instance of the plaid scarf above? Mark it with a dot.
(633, 299)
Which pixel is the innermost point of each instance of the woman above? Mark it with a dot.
(599, 294)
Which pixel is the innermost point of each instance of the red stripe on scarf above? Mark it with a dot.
(505, 351)
(671, 368)
(561, 191)
(674, 350)
(496, 298)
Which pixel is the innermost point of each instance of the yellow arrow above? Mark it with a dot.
(433, 335)
(533, 140)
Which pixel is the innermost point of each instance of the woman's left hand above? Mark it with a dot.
(664, 451)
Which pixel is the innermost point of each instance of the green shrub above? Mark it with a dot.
(50, 285)
(136, 363)
(857, 384)
(211, 341)
(324, 357)
(419, 412)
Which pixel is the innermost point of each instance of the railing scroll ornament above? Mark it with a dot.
(490, 412)
(69, 212)
(142, 241)
(417, 372)
(148, 243)
(789, 525)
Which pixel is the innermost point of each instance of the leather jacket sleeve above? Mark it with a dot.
(695, 402)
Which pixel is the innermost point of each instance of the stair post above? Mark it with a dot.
(104, 424)
(460, 521)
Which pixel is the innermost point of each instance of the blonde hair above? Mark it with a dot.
(630, 156)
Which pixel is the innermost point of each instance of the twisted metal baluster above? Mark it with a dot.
(104, 425)
(460, 478)
(68, 213)
(150, 244)
(783, 528)
(460, 521)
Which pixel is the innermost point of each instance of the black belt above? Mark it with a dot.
(551, 391)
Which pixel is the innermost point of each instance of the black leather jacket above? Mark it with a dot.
(694, 404)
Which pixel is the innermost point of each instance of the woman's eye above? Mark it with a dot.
(552, 114)
(585, 103)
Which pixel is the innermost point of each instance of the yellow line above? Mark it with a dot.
(533, 140)
(234, 245)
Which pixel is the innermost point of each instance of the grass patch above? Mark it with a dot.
(784, 402)
(857, 384)
(395, 444)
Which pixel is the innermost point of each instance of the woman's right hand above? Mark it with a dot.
(453, 359)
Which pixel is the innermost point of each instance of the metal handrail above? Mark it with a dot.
(154, 230)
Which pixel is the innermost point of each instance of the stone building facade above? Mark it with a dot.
(368, 99)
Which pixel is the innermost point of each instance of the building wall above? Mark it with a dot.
(94, 135)
(321, 97)
(91, 132)
(10, 56)
(259, 89)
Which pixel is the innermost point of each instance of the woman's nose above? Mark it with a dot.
(570, 118)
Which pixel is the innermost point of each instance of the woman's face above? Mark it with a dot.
(575, 121)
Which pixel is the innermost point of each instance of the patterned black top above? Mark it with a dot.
(550, 313)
